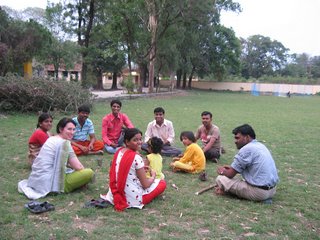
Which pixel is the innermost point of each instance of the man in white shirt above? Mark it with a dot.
(161, 128)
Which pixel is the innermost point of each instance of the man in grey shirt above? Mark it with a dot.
(256, 166)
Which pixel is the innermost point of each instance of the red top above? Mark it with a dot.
(38, 137)
(111, 127)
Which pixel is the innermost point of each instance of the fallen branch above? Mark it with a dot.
(205, 189)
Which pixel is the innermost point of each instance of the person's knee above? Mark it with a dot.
(162, 185)
(87, 173)
(110, 149)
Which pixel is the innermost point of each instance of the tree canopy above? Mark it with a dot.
(182, 38)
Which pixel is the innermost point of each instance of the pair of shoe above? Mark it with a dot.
(38, 207)
(99, 203)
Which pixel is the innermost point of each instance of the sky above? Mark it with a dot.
(294, 23)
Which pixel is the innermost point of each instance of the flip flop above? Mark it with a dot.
(100, 203)
(90, 203)
(37, 207)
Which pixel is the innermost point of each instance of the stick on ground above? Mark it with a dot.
(205, 189)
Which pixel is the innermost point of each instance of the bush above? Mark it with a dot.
(40, 94)
(128, 84)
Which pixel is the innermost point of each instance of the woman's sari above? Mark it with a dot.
(118, 180)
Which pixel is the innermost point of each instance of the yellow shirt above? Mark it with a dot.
(194, 156)
(156, 164)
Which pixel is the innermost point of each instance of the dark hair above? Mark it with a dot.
(116, 101)
(43, 117)
(63, 122)
(129, 133)
(189, 135)
(245, 130)
(84, 108)
(158, 109)
(206, 113)
(155, 144)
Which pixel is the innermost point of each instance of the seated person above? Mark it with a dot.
(84, 128)
(154, 159)
(39, 136)
(112, 127)
(56, 169)
(209, 134)
(163, 129)
(193, 159)
(129, 186)
(254, 162)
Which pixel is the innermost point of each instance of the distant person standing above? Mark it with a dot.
(209, 134)
(254, 162)
(112, 127)
(163, 129)
(84, 128)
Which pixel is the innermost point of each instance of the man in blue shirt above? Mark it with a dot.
(84, 129)
(256, 166)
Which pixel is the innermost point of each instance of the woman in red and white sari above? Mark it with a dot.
(129, 186)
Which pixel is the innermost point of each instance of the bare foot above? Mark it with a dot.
(100, 152)
(218, 191)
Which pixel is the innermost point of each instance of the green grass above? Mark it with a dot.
(289, 127)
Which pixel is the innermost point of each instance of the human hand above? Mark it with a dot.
(113, 145)
(220, 170)
(90, 147)
(153, 173)
(176, 159)
(147, 169)
(84, 149)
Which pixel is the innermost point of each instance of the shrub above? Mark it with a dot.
(128, 84)
(40, 94)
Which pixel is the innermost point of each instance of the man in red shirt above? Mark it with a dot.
(112, 125)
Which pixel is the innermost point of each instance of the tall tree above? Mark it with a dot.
(78, 20)
(61, 52)
(262, 56)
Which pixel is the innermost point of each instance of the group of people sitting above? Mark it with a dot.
(135, 179)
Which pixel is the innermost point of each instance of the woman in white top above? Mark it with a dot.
(129, 186)
(56, 168)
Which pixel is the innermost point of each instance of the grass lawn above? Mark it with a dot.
(289, 127)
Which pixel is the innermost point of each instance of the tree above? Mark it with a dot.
(78, 20)
(20, 42)
(262, 56)
(61, 52)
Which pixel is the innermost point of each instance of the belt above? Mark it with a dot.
(265, 187)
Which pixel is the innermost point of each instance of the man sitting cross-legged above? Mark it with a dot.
(84, 128)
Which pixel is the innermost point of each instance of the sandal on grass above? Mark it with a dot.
(37, 207)
(99, 203)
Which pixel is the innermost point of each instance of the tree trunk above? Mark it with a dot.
(179, 74)
(153, 24)
(184, 80)
(99, 85)
(114, 81)
(190, 77)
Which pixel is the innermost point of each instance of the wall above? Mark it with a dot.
(261, 87)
